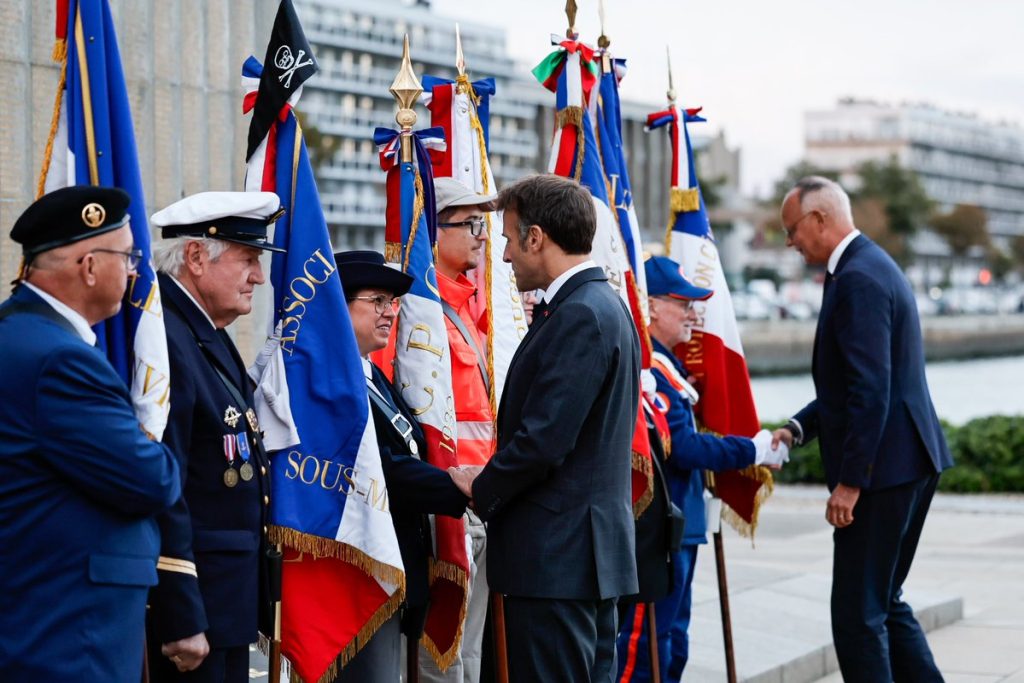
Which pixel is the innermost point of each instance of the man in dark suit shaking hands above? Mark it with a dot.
(556, 494)
(881, 443)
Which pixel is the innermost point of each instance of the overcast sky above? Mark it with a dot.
(756, 66)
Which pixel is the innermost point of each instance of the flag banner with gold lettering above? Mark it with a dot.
(422, 367)
(92, 142)
(715, 354)
(342, 575)
(461, 108)
(572, 73)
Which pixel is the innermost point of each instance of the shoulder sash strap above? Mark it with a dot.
(453, 315)
(395, 417)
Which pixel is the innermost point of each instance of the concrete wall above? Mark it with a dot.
(182, 61)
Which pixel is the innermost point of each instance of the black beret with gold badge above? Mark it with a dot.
(68, 215)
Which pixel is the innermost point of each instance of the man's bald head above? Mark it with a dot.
(816, 216)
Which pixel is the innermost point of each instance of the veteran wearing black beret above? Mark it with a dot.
(213, 592)
(79, 481)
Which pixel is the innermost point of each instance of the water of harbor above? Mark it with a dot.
(961, 390)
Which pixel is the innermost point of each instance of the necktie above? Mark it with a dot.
(540, 310)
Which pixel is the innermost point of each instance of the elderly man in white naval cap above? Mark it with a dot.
(214, 592)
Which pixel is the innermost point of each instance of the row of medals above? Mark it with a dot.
(245, 472)
(231, 475)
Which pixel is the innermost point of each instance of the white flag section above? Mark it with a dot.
(501, 302)
(92, 142)
(608, 252)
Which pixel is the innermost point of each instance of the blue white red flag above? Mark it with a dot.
(92, 143)
(461, 108)
(422, 366)
(572, 71)
(714, 355)
(343, 574)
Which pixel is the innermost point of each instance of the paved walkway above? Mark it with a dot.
(967, 585)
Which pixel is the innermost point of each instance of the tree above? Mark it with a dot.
(964, 227)
(1017, 250)
(321, 147)
(907, 205)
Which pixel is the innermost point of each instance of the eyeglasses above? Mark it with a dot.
(791, 229)
(476, 225)
(132, 258)
(685, 304)
(381, 302)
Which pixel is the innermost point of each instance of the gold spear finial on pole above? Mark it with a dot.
(406, 89)
(671, 88)
(460, 58)
(570, 12)
(603, 41)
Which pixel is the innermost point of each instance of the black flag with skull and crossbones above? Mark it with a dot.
(288, 63)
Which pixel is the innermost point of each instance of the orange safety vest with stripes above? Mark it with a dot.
(473, 416)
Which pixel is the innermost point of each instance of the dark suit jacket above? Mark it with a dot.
(556, 493)
(415, 489)
(873, 413)
(220, 529)
(79, 487)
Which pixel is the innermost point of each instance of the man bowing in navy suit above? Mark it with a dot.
(881, 443)
(556, 494)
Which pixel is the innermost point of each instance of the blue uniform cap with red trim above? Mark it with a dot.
(665, 278)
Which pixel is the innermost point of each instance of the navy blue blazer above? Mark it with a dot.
(415, 489)
(556, 494)
(79, 485)
(872, 413)
(212, 559)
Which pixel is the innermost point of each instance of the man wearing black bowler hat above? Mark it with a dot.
(79, 481)
(213, 594)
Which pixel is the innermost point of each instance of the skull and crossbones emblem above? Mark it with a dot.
(289, 64)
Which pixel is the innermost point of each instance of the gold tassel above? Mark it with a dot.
(60, 50)
(569, 116)
(60, 54)
(644, 466)
(417, 211)
(684, 199)
(474, 122)
(393, 252)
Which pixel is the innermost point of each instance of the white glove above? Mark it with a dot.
(763, 453)
(266, 353)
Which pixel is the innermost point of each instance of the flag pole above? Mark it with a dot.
(274, 561)
(723, 582)
(406, 89)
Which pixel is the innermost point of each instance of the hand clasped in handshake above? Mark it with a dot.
(765, 454)
(463, 476)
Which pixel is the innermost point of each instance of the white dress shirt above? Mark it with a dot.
(80, 324)
(556, 284)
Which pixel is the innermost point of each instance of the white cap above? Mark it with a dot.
(240, 217)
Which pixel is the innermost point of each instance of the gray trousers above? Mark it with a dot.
(466, 667)
(381, 660)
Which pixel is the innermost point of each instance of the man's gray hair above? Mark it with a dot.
(169, 254)
(827, 196)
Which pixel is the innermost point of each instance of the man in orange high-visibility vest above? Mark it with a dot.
(461, 235)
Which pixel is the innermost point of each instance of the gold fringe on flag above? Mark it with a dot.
(318, 546)
(447, 571)
(643, 465)
(742, 527)
(684, 199)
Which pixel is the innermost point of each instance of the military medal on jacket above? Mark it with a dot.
(230, 449)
